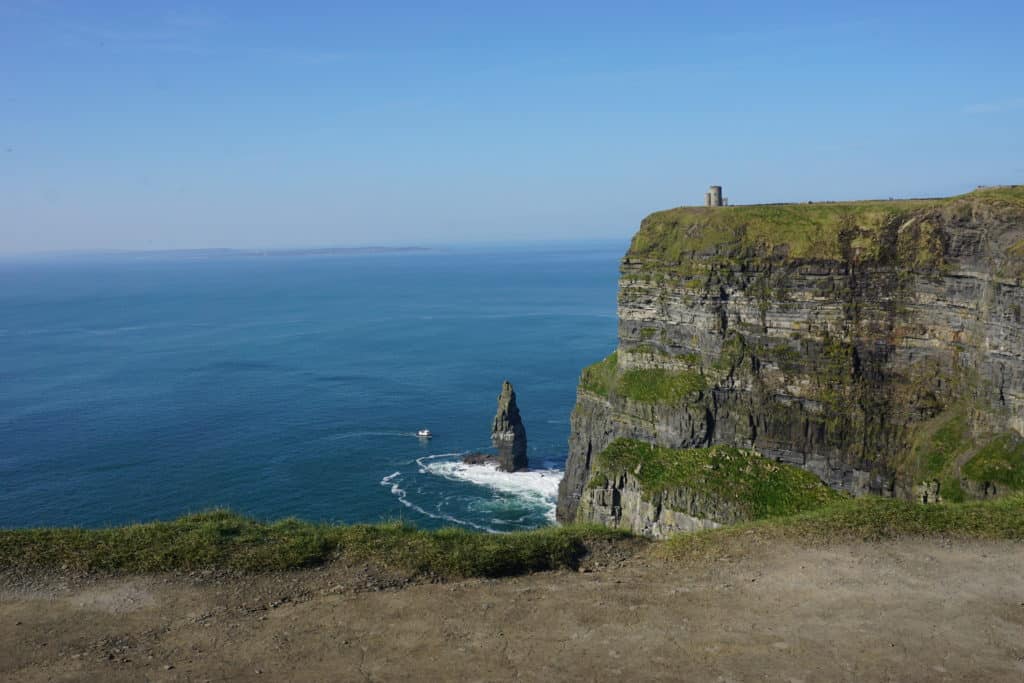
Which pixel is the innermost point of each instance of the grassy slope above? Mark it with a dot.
(222, 539)
(806, 230)
(756, 486)
(864, 519)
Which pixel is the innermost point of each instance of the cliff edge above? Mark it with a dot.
(878, 345)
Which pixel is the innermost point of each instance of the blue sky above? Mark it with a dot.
(146, 126)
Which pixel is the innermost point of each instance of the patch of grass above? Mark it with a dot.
(863, 519)
(754, 485)
(653, 385)
(599, 378)
(998, 459)
(220, 539)
(1001, 461)
(936, 454)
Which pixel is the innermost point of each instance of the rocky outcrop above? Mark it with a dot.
(508, 436)
(620, 503)
(840, 338)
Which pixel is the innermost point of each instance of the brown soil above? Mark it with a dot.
(916, 610)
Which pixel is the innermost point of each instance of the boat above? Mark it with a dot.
(424, 434)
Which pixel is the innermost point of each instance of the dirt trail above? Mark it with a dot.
(918, 610)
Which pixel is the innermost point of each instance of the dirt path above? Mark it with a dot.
(919, 610)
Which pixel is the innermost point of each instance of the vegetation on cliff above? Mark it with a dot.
(830, 230)
(1000, 461)
(947, 452)
(647, 385)
(220, 539)
(756, 486)
(876, 341)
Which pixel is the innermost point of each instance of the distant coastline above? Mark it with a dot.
(220, 253)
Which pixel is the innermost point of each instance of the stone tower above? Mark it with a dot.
(713, 197)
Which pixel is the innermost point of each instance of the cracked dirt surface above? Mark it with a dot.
(916, 610)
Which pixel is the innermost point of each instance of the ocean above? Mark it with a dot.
(144, 387)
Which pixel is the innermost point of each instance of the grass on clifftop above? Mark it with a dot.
(647, 385)
(223, 540)
(864, 519)
(756, 486)
(220, 539)
(810, 230)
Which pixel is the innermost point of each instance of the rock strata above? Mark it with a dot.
(876, 344)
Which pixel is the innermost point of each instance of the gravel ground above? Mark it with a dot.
(915, 610)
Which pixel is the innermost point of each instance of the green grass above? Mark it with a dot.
(654, 385)
(936, 454)
(755, 486)
(806, 230)
(863, 519)
(814, 230)
(657, 385)
(220, 539)
(600, 377)
(1000, 461)
(1007, 195)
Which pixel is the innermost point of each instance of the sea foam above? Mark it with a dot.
(403, 498)
(535, 486)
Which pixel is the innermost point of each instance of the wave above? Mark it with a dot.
(403, 498)
(537, 487)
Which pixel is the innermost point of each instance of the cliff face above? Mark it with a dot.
(879, 345)
(621, 503)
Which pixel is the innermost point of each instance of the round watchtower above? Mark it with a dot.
(713, 197)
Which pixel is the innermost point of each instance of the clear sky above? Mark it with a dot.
(137, 125)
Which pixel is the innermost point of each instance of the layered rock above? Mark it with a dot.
(841, 338)
(621, 504)
(508, 436)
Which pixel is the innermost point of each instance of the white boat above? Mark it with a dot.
(424, 434)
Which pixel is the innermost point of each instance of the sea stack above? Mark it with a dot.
(508, 434)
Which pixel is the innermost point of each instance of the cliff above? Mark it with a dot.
(878, 345)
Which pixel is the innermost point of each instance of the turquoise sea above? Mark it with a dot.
(143, 387)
